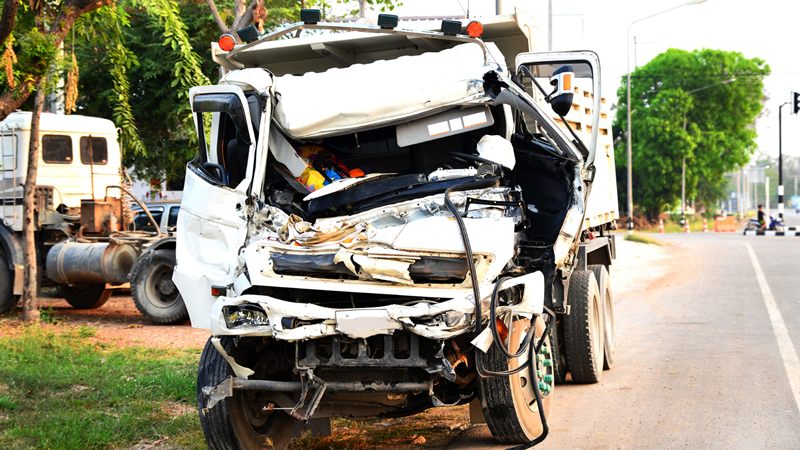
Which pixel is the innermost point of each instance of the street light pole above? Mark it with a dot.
(628, 45)
(780, 162)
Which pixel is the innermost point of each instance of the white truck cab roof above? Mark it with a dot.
(56, 123)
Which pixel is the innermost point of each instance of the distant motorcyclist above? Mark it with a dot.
(762, 217)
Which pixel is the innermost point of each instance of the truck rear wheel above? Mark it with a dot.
(583, 328)
(152, 289)
(609, 321)
(509, 403)
(85, 296)
(231, 424)
(7, 298)
(558, 349)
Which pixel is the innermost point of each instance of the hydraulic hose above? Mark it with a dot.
(533, 350)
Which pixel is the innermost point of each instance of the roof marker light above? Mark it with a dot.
(387, 21)
(310, 16)
(248, 34)
(451, 27)
(227, 42)
(475, 29)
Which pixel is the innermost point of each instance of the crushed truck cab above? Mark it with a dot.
(388, 220)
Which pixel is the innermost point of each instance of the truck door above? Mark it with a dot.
(212, 220)
(587, 104)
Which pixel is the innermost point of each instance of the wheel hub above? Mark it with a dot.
(166, 286)
(544, 376)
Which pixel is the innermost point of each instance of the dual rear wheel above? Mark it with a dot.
(589, 329)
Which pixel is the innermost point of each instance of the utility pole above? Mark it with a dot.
(739, 194)
(549, 25)
(766, 193)
(498, 6)
(780, 163)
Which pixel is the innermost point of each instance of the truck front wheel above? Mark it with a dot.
(509, 403)
(85, 296)
(153, 291)
(238, 422)
(7, 298)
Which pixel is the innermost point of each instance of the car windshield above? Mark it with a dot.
(143, 223)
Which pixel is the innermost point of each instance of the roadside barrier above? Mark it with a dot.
(686, 226)
(771, 233)
(660, 225)
(705, 225)
(725, 224)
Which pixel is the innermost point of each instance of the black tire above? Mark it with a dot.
(152, 289)
(7, 298)
(85, 296)
(583, 328)
(226, 425)
(609, 321)
(558, 347)
(508, 403)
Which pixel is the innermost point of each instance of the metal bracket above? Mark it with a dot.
(218, 393)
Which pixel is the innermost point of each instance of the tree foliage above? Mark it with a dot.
(679, 87)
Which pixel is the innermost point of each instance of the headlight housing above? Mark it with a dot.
(244, 315)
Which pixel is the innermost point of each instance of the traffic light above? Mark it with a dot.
(795, 102)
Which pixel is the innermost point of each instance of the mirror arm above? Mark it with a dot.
(530, 75)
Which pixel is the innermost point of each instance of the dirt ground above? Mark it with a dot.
(119, 323)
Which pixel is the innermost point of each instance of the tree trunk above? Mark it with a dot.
(30, 311)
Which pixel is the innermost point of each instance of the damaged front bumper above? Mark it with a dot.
(261, 315)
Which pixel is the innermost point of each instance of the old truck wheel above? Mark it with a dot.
(509, 404)
(152, 289)
(609, 322)
(231, 423)
(583, 328)
(85, 296)
(7, 298)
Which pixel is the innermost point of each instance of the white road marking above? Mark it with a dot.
(788, 353)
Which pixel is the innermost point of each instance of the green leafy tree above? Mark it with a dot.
(682, 109)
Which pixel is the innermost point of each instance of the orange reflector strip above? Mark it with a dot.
(567, 82)
(502, 330)
(475, 29)
(227, 42)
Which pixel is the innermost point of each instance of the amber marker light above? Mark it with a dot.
(567, 82)
(475, 29)
(227, 42)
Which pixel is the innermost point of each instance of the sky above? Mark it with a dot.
(766, 29)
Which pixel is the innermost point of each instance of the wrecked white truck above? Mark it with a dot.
(352, 197)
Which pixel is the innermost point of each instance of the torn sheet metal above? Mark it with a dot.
(240, 371)
(296, 230)
(363, 323)
(441, 320)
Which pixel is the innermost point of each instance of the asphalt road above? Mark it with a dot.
(698, 361)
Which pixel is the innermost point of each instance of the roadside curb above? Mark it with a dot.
(772, 233)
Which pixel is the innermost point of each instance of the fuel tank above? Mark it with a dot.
(96, 263)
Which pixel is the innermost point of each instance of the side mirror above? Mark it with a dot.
(561, 97)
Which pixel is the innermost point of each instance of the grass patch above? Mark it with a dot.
(642, 239)
(59, 389)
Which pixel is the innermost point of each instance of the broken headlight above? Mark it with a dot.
(244, 315)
